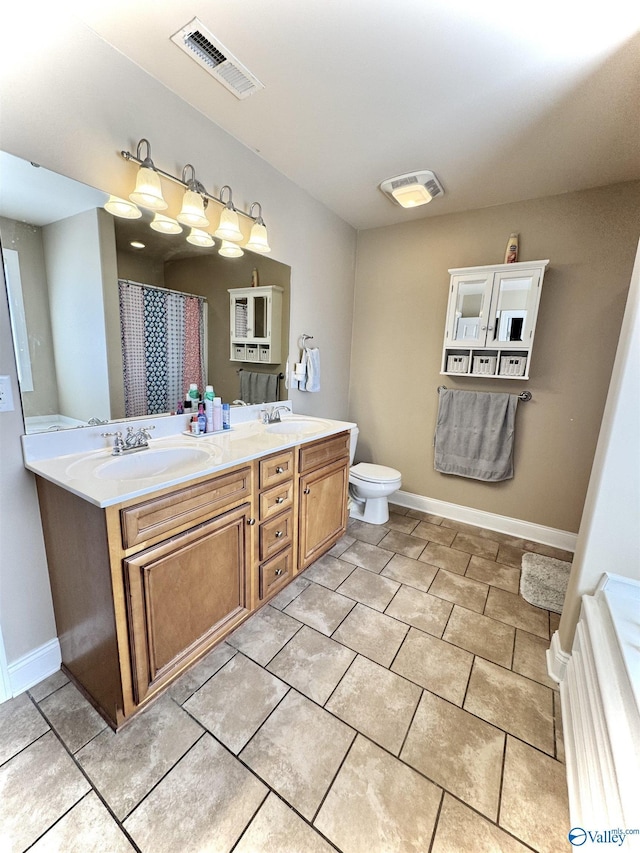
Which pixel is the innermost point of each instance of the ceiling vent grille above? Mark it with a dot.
(399, 189)
(203, 47)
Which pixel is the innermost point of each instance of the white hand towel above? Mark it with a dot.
(313, 369)
(302, 383)
(290, 380)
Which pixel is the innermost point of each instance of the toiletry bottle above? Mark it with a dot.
(202, 418)
(179, 408)
(194, 396)
(226, 416)
(195, 426)
(217, 414)
(208, 406)
(511, 254)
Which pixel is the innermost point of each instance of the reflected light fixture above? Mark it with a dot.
(193, 202)
(148, 192)
(200, 238)
(229, 227)
(165, 225)
(123, 208)
(413, 188)
(136, 244)
(230, 250)
(258, 241)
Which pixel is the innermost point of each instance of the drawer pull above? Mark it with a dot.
(279, 470)
(278, 572)
(279, 500)
(279, 534)
(307, 491)
(251, 522)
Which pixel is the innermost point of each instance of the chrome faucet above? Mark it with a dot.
(273, 414)
(135, 439)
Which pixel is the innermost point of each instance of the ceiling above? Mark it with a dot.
(503, 103)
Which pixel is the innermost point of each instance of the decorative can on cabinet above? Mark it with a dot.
(255, 315)
(491, 320)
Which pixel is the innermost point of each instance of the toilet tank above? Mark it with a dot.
(352, 444)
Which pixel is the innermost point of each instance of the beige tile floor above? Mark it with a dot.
(394, 697)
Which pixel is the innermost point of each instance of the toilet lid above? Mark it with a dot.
(374, 473)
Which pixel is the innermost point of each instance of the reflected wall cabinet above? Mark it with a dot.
(491, 320)
(256, 323)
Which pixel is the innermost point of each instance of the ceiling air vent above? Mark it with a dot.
(202, 46)
(412, 189)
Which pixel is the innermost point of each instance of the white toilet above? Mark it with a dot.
(369, 487)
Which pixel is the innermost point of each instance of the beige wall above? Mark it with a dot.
(401, 298)
(63, 106)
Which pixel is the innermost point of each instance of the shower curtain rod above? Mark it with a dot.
(163, 289)
(524, 396)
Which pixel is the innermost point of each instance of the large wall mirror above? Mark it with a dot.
(63, 258)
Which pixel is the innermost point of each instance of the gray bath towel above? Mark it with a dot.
(474, 434)
(258, 387)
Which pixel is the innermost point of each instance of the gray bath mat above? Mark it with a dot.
(543, 581)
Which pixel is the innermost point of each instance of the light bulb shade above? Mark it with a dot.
(230, 250)
(258, 239)
(200, 238)
(123, 208)
(411, 195)
(192, 212)
(229, 227)
(165, 225)
(148, 191)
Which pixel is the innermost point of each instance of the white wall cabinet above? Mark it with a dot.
(491, 319)
(255, 315)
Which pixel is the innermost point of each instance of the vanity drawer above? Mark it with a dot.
(322, 452)
(275, 534)
(158, 517)
(276, 469)
(276, 500)
(276, 573)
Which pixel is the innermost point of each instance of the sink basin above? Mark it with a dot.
(297, 426)
(151, 463)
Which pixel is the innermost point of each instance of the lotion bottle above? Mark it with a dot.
(511, 253)
(202, 418)
(208, 407)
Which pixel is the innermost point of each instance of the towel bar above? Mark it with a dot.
(240, 369)
(523, 396)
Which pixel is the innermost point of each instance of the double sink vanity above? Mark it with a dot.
(155, 556)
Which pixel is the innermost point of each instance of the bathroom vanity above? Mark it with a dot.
(147, 577)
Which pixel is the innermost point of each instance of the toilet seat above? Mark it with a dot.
(369, 473)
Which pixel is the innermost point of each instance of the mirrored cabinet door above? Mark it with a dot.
(514, 307)
(469, 306)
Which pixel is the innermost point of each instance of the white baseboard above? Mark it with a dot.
(557, 659)
(500, 523)
(33, 667)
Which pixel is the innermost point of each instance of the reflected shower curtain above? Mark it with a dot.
(163, 337)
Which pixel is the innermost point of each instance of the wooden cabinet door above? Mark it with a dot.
(183, 594)
(323, 510)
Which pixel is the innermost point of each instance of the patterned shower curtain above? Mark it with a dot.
(163, 346)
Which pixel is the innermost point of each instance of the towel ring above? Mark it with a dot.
(302, 340)
(523, 396)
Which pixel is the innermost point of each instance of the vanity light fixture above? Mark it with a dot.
(193, 202)
(229, 227)
(258, 241)
(148, 192)
(123, 208)
(412, 189)
(165, 225)
(200, 238)
(230, 250)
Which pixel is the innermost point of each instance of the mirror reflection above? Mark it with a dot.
(63, 258)
(469, 309)
(511, 314)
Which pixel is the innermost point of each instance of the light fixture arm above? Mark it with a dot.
(186, 182)
(258, 219)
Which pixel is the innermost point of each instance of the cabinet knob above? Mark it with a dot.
(279, 500)
(251, 522)
(279, 470)
(278, 572)
(306, 491)
(279, 534)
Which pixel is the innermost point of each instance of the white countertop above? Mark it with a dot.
(85, 470)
